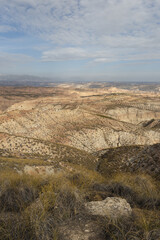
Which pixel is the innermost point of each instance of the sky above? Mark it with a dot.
(81, 39)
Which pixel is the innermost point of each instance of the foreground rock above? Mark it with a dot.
(112, 207)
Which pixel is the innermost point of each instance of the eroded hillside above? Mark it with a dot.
(79, 161)
(82, 117)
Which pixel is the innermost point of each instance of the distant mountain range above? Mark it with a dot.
(37, 81)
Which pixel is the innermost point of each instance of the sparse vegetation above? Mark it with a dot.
(58, 154)
(35, 207)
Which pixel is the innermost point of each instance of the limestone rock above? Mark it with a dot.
(112, 207)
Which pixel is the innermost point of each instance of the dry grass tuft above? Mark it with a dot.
(34, 208)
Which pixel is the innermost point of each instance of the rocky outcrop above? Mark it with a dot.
(92, 140)
(133, 115)
(112, 207)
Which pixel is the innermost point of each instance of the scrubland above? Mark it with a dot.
(37, 207)
(64, 147)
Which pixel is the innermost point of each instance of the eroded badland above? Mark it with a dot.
(104, 129)
(48, 122)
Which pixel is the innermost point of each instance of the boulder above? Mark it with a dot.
(112, 207)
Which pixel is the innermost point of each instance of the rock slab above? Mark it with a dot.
(112, 207)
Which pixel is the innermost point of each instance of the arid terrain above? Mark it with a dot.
(78, 116)
(102, 130)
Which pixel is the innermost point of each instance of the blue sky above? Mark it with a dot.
(80, 39)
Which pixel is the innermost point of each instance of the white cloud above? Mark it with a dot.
(103, 56)
(104, 60)
(64, 54)
(110, 30)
